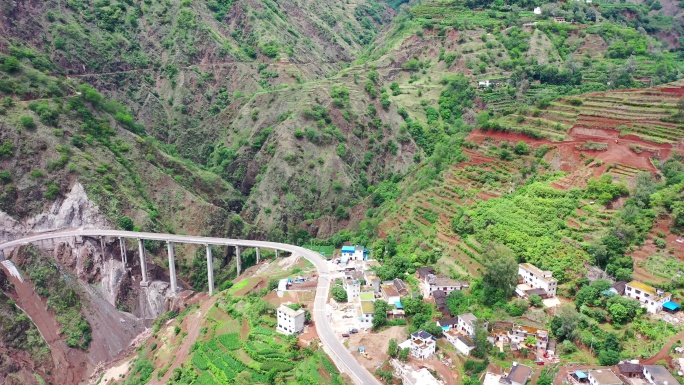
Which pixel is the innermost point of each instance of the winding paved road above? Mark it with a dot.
(340, 355)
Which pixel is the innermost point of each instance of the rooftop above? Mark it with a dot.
(604, 377)
(422, 334)
(348, 249)
(630, 368)
(443, 281)
(367, 307)
(422, 377)
(519, 374)
(467, 341)
(355, 274)
(359, 248)
(367, 296)
(661, 375)
(468, 318)
(424, 271)
(447, 321)
(400, 285)
(643, 287)
(541, 274)
(439, 294)
(390, 291)
(292, 313)
(531, 330)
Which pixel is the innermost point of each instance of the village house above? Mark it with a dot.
(353, 288)
(353, 274)
(498, 335)
(463, 344)
(447, 285)
(410, 376)
(651, 298)
(659, 375)
(372, 280)
(354, 253)
(423, 272)
(290, 321)
(531, 278)
(630, 370)
(447, 323)
(618, 288)
(467, 323)
(400, 286)
(440, 301)
(519, 336)
(421, 344)
(365, 312)
(518, 375)
(390, 294)
(603, 377)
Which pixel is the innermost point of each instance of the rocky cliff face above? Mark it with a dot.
(115, 305)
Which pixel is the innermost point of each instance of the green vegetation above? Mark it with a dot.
(61, 295)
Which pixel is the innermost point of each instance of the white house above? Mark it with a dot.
(483, 83)
(447, 285)
(651, 298)
(290, 321)
(463, 344)
(410, 376)
(659, 375)
(603, 377)
(391, 294)
(538, 279)
(537, 11)
(365, 313)
(355, 253)
(422, 344)
(467, 322)
(353, 288)
(372, 280)
(519, 334)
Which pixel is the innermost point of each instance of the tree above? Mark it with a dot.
(565, 324)
(618, 313)
(536, 300)
(623, 309)
(608, 357)
(456, 301)
(404, 354)
(501, 272)
(414, 305)
(393, 348)
(339, 294)
(480, 340)
(379, 314)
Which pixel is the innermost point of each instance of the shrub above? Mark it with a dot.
(27, 122)
(11, 65)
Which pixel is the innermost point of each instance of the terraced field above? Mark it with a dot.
(644, 113)
(429, 211)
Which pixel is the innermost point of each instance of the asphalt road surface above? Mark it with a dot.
(344, 361)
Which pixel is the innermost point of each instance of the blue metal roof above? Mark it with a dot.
(672, 306)
(580, 374)
(347, 249)
(398, 305)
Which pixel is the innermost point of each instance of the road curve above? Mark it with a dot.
(344, 361)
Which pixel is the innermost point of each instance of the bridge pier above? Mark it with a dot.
(102, 247)
(210, 270)
(172, 266)
(143, 264)
(277, 253)
(258, 254)
(239, 261)
(122, 245)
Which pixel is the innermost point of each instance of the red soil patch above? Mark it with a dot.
(70, 365)
(673, 90)
(244, 330)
